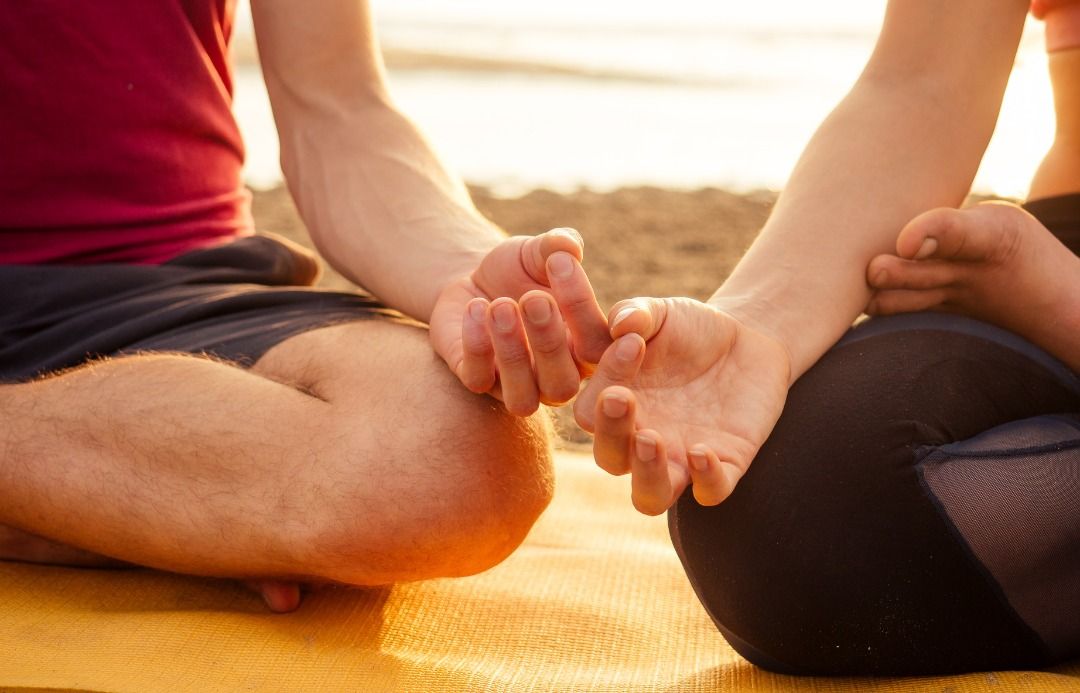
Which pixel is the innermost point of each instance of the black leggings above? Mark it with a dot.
(915, 511)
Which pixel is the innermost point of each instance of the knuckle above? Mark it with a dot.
(549, 343)
(513, 355)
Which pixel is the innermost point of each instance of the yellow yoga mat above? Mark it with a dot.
(594, 601)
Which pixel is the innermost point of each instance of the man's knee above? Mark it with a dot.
(420, 478)
(456, 502)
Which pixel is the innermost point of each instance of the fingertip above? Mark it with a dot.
(629, 347)
(538, 307)
(646, 445)
(710, 481)
(615, 403)
(523, 408)
(927, 226)
(629, 319)
(926, 249)
(564, 239)
(476, 309)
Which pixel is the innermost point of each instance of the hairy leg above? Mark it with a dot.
(347, 453)
(994, 262)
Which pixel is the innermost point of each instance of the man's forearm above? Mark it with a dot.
(903, 141)
(380, 205)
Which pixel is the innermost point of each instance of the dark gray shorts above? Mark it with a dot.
(233, 302)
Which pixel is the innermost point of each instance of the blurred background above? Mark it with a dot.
(564, 94)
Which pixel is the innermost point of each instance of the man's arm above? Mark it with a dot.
(386, 213)
(380, 205)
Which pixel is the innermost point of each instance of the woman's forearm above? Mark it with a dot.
(907, 138)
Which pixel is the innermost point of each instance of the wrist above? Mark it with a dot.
(805, 327)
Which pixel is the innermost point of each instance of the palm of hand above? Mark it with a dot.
(707, 379)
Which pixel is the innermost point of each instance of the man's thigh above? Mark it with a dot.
(426, 477)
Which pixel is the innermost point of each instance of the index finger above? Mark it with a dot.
(577, 303)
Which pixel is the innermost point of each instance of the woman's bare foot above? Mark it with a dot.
(994, 262)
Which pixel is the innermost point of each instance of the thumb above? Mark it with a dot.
(537, 249)
(983, 232)
(643, 316)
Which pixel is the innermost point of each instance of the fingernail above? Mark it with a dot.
(537, 310)
(477, 309)
(646, 448)
(561, 265)
(622, 315)
(570, 233)
(879, 278)
(614, 406)
(628, 348)
(926, 249)
(504, 315)
(699, 460)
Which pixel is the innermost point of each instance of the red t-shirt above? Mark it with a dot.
(117, 139)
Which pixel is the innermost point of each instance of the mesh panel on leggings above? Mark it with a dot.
(1013, 493)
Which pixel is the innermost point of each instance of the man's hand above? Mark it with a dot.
(694, 405)
(503, 330)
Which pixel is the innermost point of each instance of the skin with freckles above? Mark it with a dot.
(994, 262)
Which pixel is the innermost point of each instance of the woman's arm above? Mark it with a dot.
(907, 138)
(698, 403)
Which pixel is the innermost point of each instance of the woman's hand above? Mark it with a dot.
(504, 331)
(685, 394)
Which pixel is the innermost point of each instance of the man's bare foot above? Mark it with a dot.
(994, 262)
(16, 545)
(280, 596)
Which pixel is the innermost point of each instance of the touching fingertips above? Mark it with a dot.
(622, 315)
(571, 234)
(537, 310)
(628, 348)
(614, 406)
(645, 447)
